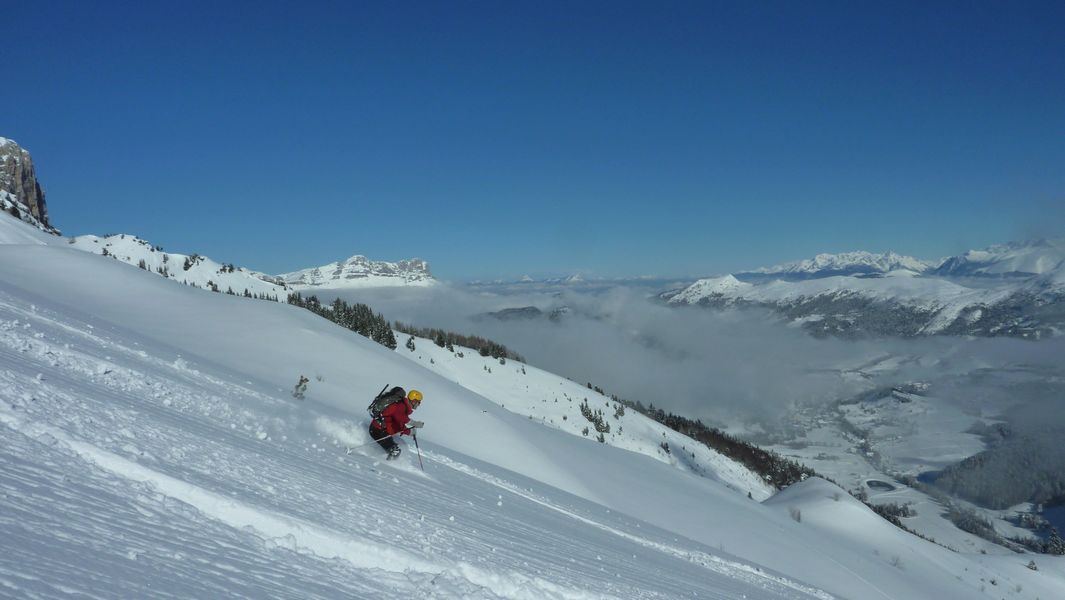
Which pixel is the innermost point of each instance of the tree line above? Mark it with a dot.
(778, 471)
(357, 317)
(450, 339)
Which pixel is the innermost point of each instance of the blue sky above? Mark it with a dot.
(496, 139)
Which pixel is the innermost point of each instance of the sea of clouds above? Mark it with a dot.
(732, 366)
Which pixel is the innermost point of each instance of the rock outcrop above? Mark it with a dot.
(20, 192)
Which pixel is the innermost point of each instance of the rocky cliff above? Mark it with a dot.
(20, 193)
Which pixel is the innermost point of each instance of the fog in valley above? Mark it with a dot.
(733, 367)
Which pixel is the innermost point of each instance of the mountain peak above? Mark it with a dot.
(847, 263)
(710, 288)
(360, 271)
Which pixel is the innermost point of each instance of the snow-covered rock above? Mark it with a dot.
(848, 263)
(859, 293)
(359, 271)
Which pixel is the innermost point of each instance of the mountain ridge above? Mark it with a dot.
(848, 263)
(359, 271)
(1021, 293)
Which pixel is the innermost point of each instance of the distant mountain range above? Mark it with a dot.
(1015, 289)
(849, 263)
(1044, 258)
(359, 271)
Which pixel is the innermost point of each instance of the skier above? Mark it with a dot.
(395, 419)
(301, 388)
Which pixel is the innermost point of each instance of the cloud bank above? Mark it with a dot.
(723, 367)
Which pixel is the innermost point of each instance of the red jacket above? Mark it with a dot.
(396, 417)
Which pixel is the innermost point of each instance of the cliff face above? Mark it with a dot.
(20, 192)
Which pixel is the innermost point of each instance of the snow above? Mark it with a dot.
(850, 261)
(724, 286)
(360, 272)
(933, 294)
(944, 300)
(14, 231)
(1041, 257)
(200, 272)
(916, 433)
(961, 285)
(203, 272)
(152, 448)
(553, 401)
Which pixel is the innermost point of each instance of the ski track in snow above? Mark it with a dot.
(159, 480)
(734, 569)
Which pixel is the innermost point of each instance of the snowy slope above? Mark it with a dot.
(726, 286)
(201, 271)
(554, 401)
(195, 270)
(152, 448)
(13, 231)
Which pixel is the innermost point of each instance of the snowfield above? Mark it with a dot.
(152, 448)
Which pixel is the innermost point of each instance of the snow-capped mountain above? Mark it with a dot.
(1042, 257)
(359, 271)
(714, 287)
(893, 295)
(152, 448)
(847, 263)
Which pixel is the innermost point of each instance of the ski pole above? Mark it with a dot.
(414, 432)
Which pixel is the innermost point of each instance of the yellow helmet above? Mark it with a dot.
(414, 396)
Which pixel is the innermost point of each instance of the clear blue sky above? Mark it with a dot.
(503, 138)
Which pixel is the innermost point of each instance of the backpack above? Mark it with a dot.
(383, 401)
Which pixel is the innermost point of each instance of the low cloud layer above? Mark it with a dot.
(717, 366)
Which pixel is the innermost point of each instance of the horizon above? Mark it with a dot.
(607, 140)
